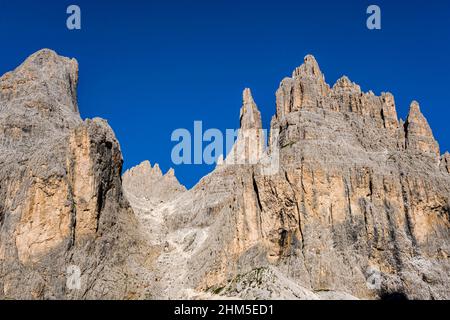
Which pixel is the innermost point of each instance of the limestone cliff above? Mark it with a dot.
(61, 202)
(347, 201)
(358, 194)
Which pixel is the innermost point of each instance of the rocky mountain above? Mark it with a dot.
(61, 199)
(346, 202)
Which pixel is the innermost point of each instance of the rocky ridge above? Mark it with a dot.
(345, 194)
(61, 200)
(358, 194)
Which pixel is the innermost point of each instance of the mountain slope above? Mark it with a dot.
(61, 202)
(346, 202)
(357, 194)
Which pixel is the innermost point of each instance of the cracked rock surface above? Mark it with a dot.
(352, 194)
(61, 199)
(357, 194)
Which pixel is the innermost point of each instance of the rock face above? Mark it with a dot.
(249, 146)
(61, 203)
(355, 204)
(150, 191)
(418, 133)
(358, 208)
(445, 162)
(358, 191)
(149, 183)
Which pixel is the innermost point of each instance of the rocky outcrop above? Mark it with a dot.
(150, 184)
(418, 133)
(358, 208)
(249, 146)
(357, 191)
(306, 88)
(151, 192)
(61, 202)
(445, 162)
(355, 204)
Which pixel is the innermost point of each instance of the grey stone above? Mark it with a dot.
(360, 198)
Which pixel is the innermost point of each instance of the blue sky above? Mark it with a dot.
(150, 67)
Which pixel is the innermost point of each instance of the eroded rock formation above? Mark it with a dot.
(353, 195)
(358, 195)
(61, 201)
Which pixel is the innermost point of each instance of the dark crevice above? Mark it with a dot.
(291, 100)
(105, 166)
(2, 215)
(258, 201)
(383, 118)
(405, 130)
(370, 188)
(302, 94)
(283, 239)
(255, 188)
(73, 211)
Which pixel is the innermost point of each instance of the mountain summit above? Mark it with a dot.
(358, 207)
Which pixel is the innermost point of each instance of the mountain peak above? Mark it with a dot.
(419, 136)
(250, 117)
(46, 71)
(148, 182)
(170, 173)
(247, 97)
(249, 145)
(414, 109)
(310, 67)
(341, 173)
(346, 85)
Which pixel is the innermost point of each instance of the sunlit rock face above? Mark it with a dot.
(359, 193)
(61, 200)
(357, 205)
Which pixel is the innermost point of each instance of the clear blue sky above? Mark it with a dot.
(149, 67)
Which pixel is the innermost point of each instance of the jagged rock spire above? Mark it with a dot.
(148, 182)
(389, 112)
(419, 136)
(250, 117)
(145, 169)
(344, 84)
(249, 145)
(310, 67)
(305, 89)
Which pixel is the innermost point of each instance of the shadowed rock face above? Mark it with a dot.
(61, 200)
(357, 195)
